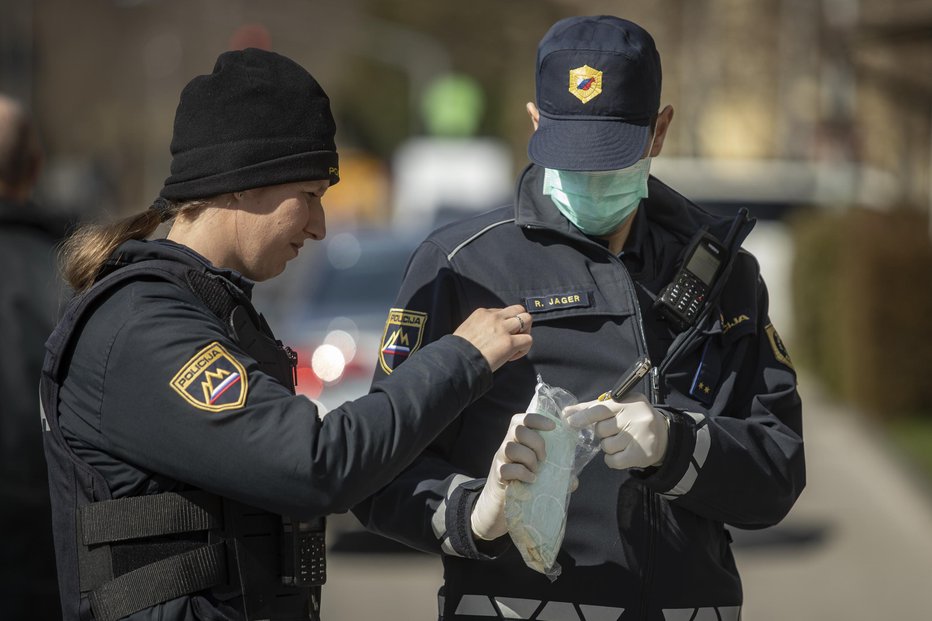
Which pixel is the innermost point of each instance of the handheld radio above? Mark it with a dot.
(681, 301)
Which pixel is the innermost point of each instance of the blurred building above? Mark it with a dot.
(841, 86)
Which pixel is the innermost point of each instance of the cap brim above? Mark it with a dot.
(588, 144)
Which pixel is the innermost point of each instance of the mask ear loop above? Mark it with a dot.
(650, 149)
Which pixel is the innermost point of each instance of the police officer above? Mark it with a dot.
(187, 479)
(712, 437)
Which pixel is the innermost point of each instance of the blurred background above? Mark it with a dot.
(814, 114)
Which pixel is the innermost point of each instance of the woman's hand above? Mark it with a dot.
(500, 334)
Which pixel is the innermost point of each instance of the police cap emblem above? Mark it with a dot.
(585, 83)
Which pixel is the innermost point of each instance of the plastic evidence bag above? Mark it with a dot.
(536, 512)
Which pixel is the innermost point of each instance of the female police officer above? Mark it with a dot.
(187, 478)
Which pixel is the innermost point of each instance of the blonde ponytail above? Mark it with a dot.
(83, 254)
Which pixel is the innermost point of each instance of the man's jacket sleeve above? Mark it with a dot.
(741, 463)
(428, 506)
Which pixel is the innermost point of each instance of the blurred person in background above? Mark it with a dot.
(187, 479)
(713, 436)
(29, 305)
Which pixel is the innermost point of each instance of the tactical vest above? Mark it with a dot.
(119, 556)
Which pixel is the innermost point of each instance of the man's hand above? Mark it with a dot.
(633, 433)
(517, 459)
(500, 334)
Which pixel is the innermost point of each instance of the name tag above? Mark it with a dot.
(558, 301)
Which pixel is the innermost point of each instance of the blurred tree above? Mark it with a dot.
(452, 106)
(492, 41)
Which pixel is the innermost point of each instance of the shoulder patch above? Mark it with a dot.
(212, 380)
(728, 324)
(776, 343)
(401, 337)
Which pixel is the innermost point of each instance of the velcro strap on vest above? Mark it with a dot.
(137, 517)
(159, 582)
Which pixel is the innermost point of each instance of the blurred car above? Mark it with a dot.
(330, 306)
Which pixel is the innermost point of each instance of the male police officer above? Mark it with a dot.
(712, 437)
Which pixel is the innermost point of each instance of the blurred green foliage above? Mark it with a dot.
(863, 307)
(452, 106)
(495, 43)
(913, 436)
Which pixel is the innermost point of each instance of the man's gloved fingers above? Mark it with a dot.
(532, 440)
(596, 412)
(533, 420)
(631, 457)
(519, 454)
(574, 483)
(607, 428)
(516, 472)
(616, 443)
(576, 407)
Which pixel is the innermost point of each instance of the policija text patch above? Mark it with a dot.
(212, 380)
(401, 337)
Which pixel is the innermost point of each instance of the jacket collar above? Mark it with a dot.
(136, 250)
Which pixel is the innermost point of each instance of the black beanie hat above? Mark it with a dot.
(259, 119)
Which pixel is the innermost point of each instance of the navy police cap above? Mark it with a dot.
(598, 86)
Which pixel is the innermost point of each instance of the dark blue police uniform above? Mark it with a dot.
(182, 465)
(640, 544)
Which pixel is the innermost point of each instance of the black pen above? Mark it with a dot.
(631, 377)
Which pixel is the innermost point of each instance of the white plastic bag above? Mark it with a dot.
(536, 512)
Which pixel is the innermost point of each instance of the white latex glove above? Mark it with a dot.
(517, 459)
(633, 433)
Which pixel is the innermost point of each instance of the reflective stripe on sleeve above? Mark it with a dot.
(600, 613)
(558, 611)
(700, 453)
(438, 522)
(499, 607)
(517, 607)
(477, 606)
(722, 613)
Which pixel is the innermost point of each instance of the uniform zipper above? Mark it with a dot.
(654, 391)
(649, 568)
(655, 395)
(293, 360)
(637, 305)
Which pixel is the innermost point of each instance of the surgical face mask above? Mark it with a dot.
(598, 202)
